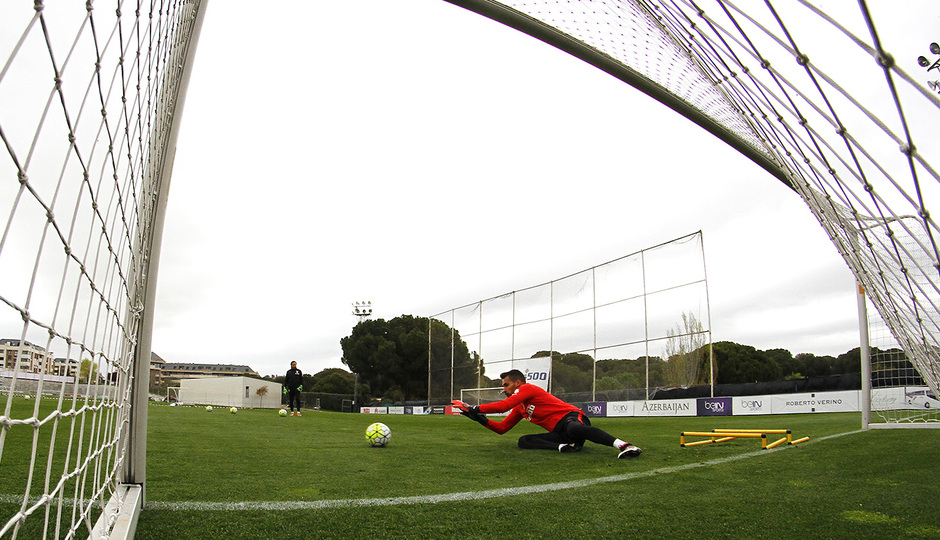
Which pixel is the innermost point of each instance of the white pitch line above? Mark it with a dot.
(451, 497)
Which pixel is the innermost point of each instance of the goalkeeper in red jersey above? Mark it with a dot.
(568, 426)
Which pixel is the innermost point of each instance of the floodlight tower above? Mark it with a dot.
(924, 62)
(362, 310)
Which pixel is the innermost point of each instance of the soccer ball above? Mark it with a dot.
(282, 412)
(233, 410)
(378, 434)
(208, 408)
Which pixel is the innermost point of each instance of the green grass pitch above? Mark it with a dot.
(257, 475)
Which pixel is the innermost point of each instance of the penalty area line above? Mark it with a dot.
(456, 497)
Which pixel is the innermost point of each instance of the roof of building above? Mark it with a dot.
(209, 367)
(16, 342)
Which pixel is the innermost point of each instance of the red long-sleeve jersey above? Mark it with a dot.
(529, 402)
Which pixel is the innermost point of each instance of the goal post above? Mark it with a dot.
(119, 517)
(175, 83)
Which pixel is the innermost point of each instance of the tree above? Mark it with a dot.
(87, 371)
(686, 357)
(571, 372)
(336, 382)
(743, 364)
(849, 361)
(392, 357)
(788, 364)
(814, 366)
(262, 391)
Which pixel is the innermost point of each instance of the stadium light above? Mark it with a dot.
(362, 310)
(925, 62)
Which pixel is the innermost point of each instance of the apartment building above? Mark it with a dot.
(26, 357)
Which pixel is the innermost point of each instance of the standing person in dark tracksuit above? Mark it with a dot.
(294, 384)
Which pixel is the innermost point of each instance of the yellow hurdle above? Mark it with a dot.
(716, 437)
(788, 438)
(725, 434)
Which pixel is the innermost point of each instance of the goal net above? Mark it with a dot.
(898, 395)
(479, 396)
(89, 97)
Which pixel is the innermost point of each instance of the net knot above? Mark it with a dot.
(884, 59)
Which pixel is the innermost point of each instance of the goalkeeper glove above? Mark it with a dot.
(285, 390)
(473, 413)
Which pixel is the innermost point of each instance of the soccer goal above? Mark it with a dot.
(479, 396)
(895, 394)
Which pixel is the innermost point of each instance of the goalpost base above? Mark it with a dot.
(118, 521)
(904, 425)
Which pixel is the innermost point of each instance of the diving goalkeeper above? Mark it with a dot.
(568, 426)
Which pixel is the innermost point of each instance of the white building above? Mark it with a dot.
(242, 392)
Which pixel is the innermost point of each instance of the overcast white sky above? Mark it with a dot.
(422, 157)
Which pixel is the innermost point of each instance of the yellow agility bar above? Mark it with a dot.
(726, 434)
(715, 437)
(789, 437)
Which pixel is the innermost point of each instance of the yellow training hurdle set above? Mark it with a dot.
(722, 435)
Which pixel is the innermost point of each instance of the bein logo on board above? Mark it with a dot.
(596, 409)
(714, 406)
(751, 404)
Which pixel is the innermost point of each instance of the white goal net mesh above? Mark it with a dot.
(899, 396)
(88, 94)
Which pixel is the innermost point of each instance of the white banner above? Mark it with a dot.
(846, 401)
(665, 407)
(537, 371)
(373, 410)
(744, 405)
(620, 408)
(35, 376)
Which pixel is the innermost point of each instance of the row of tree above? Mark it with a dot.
(392, 362)
(330, 381)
